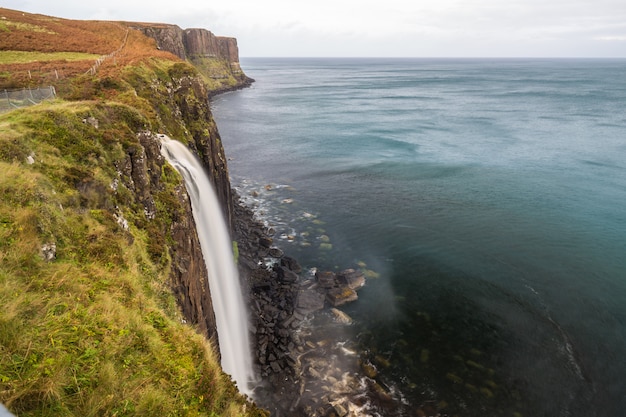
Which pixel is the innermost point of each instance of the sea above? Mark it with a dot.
(484, 198)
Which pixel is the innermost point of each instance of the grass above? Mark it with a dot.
(216, 72)
(21, 57)
(96, 331)
(8, 26)
(59, 45)
(31, 32)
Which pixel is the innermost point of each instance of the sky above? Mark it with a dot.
(381, 28)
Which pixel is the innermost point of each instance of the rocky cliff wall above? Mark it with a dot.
(180, 105)
(188, 277)
(195, 45)
(204, 43)
(187, 99)
(168, 38)
(186, 43)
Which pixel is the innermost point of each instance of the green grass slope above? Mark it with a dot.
(88, 323)
(94, 331)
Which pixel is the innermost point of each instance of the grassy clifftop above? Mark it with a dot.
(59, 50)
(89, 325)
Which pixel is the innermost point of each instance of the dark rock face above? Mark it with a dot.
(309, 301)
(191, 44)
(189, 275)
(200, 46)
(168, 37)
(201, 42)
(141, 172)
(183, 105)
(137, 169)
(188, 98)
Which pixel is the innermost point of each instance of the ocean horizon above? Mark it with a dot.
(484, 196)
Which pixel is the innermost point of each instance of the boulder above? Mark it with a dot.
(265, 241)
(275, 252)
(49, 252)
(340, 316)
(326, 279)
(340, 296)
(309, 301)
(340, 410)
(285, 275)
(291, 263)
(351, 278)
(275, 366)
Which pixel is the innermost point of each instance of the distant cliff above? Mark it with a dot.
(202, 48)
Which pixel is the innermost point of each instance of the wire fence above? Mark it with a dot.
(15, 99)
(100, 60)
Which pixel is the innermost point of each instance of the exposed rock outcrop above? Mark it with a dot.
(189, 277)
(141, 172)
(168, 38)
(188, 98)
(185, 43)
(182, 109)
(196, 45)
(201, 42)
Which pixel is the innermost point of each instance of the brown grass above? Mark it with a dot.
(32, 32)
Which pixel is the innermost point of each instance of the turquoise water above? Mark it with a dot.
(488, 195)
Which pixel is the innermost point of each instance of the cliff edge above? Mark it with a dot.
(203, 49)
(106, 306)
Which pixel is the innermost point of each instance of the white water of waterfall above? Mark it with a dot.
(230, 311)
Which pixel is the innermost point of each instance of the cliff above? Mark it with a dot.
(106, 305)
(189, 43)
(203, 49)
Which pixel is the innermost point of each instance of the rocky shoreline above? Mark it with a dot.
(305, 363)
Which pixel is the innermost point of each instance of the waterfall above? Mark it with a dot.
(230, 313)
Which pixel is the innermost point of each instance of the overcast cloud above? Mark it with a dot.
(415, 28)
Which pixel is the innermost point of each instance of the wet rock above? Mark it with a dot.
(369, 370)
(339, 296)
(305, 373)
(381, 393)
(285, 275)
(351, 278)
(275, 252)
(340, 316)
(309, 301)
(291, 264)
(326, 279)
(247, 262)
(382, 362)
(275, 367)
